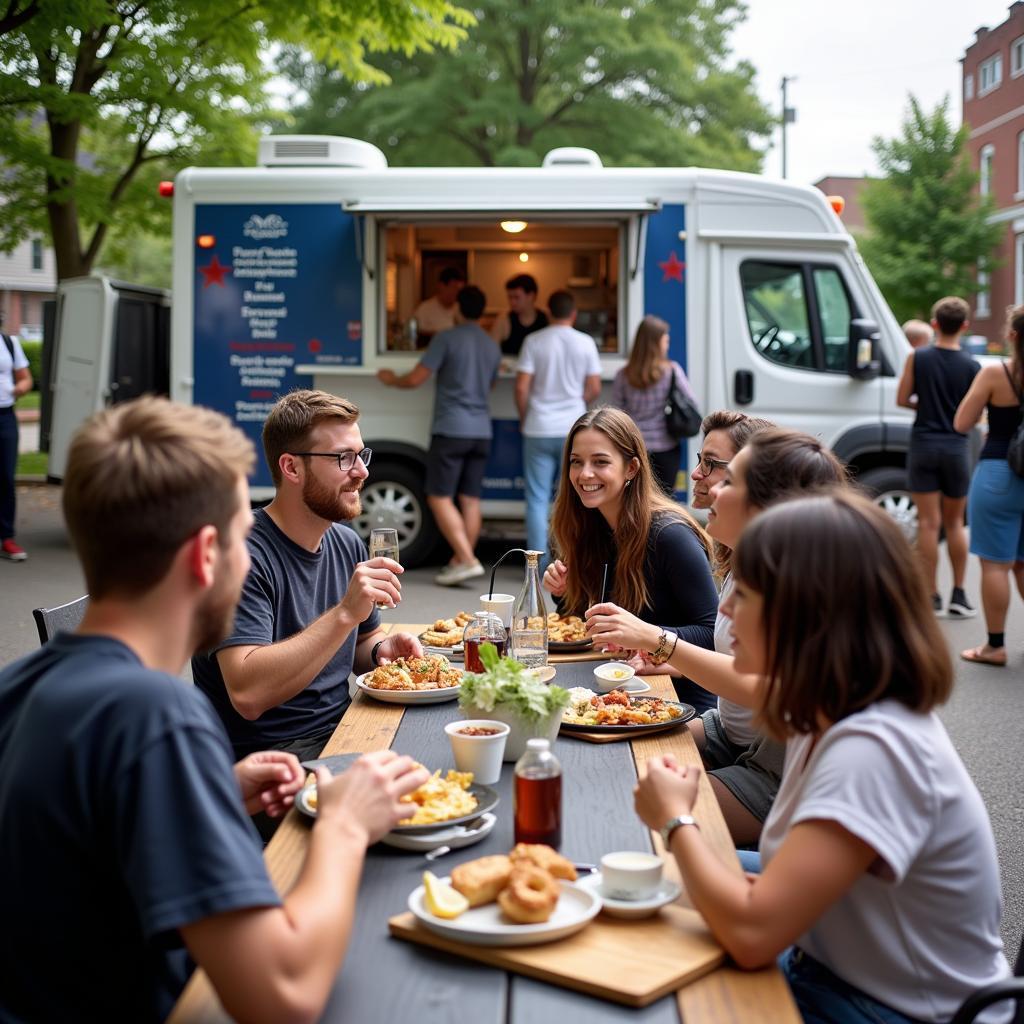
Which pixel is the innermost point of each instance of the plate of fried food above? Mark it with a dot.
(522, 899)
(445, 635)
(620, 712)
(427, 680)
(566, 633)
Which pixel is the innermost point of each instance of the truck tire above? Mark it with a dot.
(393, 496)
(887, 485)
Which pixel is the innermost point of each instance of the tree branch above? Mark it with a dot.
(13, 19)
(563, 107)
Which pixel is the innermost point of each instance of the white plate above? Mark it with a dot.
(487, 926)
(668, 892)
(407, 696)
(455, 837)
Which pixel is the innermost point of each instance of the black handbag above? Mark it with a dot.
(682, 417)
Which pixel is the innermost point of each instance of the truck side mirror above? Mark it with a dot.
(863, 353)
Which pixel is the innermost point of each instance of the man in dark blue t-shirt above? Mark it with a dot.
(125, 839)
(307, 614)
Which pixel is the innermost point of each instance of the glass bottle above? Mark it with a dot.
(530, 618)
(537, 796)
(486, 628)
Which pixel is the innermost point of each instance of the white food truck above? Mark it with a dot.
(306, 270)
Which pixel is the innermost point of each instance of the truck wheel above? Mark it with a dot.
(888, 486)
(393, 496)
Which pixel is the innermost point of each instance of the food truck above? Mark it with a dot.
(306, 271)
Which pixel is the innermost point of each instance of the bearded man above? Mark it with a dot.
(307, 614)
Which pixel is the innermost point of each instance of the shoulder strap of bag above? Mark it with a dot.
(9, 342)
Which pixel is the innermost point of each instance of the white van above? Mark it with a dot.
(306, 271)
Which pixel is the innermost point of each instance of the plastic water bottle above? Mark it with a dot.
(537, 797)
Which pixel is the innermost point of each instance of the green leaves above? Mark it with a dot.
(507, 684)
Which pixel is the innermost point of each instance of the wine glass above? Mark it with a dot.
(384, 544)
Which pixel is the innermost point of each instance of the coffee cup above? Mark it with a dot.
(630, 875)
(500, 605)
(478, 745)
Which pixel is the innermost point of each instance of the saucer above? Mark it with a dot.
(668, 892)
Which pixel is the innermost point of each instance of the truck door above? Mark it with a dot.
(785, 326)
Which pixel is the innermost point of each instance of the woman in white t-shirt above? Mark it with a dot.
(880, 876)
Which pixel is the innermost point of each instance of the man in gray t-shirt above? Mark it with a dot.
(465, 360)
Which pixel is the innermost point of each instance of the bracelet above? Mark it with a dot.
(663, 651)
(373, 652)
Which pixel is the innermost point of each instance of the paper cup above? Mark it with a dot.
(480, 754)
(630, 875)
(500, 605)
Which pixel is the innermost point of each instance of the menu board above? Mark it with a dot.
(274, 287)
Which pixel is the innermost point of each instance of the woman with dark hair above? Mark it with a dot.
(641, 388)
(878, 855)
(745, 764)
(995, 502)
(609, 512)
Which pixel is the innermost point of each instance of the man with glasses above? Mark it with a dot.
(307, 614)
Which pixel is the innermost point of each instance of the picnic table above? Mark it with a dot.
(384, 979)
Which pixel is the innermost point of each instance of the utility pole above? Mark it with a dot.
(788, 117)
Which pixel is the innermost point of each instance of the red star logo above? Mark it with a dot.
(673, 268)
(213, 272)
(315, 345)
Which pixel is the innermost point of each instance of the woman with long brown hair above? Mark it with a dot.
(641, 389)
(610, 512)
(995, 502)
(880, 879)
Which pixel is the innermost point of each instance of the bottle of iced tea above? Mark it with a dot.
(537, 797)
(486, 628)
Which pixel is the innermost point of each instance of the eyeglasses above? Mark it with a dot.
(346, 460)
(708, 465)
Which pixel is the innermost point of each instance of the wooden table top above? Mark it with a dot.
(384, 980)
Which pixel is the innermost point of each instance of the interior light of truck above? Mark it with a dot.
(513, 227)
(524, 257)
(166, 189)
(838, 203)
(206, 241)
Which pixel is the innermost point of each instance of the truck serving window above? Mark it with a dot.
(798, 314)
(582, 257)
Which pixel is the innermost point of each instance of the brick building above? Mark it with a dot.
(993, 105)
(850, 189)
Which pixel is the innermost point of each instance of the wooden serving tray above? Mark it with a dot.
(628, 962)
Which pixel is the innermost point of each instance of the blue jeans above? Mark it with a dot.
(542, 462)
(824, 998)
(8, 466)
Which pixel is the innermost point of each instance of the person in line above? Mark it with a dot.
(641, 388)
(466, 362)
(610, 512)
(996, 501)
(744, 762)
(918, 333)
(15, 381)
(307, 614)
(879, 873)
(438, 312)
(523, 317)
(128, 847)
(558, 376)
(934, 382)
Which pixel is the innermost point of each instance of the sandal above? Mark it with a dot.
(978, 656)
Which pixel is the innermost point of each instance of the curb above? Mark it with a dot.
(27, 415)
(31, 480)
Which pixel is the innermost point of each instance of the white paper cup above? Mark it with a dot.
(630, 875)
(500, 605)
(481, 755)
(611, 675)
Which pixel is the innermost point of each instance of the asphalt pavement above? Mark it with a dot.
(983, 718)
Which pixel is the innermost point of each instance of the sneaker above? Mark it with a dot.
(15, 553)
(936, 604)
(453, 575)
(959, 606)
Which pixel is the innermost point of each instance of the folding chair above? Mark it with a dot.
(1012, 988)
(50, 621)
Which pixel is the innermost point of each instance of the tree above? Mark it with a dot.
(96, 91)
(645, 82)
(929, 228)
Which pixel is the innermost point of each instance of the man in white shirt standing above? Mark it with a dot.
(437, 313)
(559, 373)
(15, 381)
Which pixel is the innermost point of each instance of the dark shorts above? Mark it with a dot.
(931, 470)
(456, 465)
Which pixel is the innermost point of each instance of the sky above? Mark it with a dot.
(854, 65)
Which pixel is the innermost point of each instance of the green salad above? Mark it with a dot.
(507, 684)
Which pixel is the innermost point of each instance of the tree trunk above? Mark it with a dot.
(61, 209)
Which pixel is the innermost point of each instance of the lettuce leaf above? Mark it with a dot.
(507, 684)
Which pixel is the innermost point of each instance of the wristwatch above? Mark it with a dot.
(672, 824)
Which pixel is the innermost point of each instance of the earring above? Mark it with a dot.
(629, 481)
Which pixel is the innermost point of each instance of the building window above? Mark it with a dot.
(969, 87)
(990, 74)
(985, 161)
(1018, 271)
(1017, 57)
(37, 254)
(982, 307)
(1020, 166)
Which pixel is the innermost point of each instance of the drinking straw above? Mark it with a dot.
(604, 584)
(494, 568)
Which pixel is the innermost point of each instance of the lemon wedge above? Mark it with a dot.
(441, 899)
